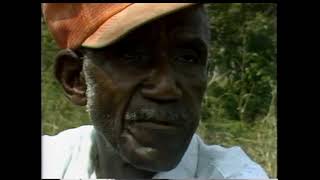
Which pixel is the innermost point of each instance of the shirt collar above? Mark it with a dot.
(187, 167)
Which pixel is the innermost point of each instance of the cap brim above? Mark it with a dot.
(129, 19)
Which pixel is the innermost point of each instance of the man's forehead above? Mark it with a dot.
(189, 23)
(190, 17)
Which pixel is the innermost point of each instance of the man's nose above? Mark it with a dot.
(161, 86)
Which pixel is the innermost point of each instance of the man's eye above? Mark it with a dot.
(137, 58)
(131, 56)
(186, 56)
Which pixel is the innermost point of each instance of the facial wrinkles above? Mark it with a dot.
(91, 86)
(102, 119)
(91, 91)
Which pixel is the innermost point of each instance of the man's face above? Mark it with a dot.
(144, 92)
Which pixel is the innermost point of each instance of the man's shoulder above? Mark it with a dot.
(69, 137)
(66, 139)
(72, 131)
(219, 162)
(57, 150)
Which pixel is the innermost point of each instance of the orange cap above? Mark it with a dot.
(97, 25)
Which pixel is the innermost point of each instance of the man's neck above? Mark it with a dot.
(109, 164)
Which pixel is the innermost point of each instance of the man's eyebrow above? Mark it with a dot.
(184, 34)
(190, 39)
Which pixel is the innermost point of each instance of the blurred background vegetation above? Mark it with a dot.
(239, 108)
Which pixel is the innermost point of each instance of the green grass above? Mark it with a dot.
(258, 139)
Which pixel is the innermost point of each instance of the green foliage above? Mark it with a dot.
(239, 107)
(240, 104)
(243, 52)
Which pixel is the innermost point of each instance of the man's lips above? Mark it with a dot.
(154, 125)
(150, 133)
(153, 121)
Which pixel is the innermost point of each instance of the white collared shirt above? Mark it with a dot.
(70, 155)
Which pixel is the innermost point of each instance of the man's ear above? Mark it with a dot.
(68, 71)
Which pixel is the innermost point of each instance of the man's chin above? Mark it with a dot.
(150, 158)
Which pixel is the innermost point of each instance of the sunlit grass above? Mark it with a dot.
(258, 139)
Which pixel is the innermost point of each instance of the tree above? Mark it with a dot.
(243, 53)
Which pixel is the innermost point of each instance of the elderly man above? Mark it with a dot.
(141, 71)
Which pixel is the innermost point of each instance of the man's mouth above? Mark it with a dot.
(151, 126)
(154, 125)
(152, 119)
(151, 133)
